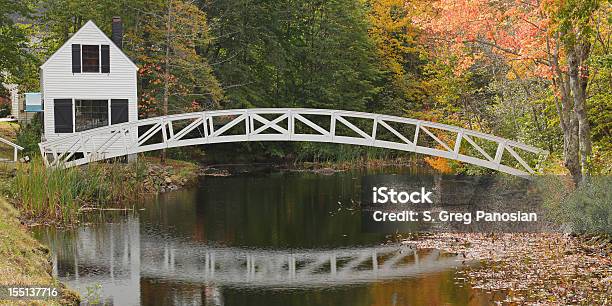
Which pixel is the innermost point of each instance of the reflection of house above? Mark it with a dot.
(88, 82)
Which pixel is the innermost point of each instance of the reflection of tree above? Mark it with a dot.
(437, 289)
(213, 295)
(280, 210)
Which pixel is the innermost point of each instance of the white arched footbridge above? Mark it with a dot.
(294, 124)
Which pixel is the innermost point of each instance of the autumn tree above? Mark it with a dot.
(552, 39)
(401, 55)
(168, 38)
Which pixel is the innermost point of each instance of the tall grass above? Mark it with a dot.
(58, 194)
(334, 153)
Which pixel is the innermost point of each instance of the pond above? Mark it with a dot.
(258, 238)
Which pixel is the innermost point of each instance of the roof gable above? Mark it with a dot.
(105, 40)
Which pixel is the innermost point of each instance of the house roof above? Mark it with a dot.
(89, 24)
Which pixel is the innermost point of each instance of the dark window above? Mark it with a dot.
(119, 111)
(62, 112)
(76, 58)
(91, 58)
(89, 114)
(105, 58)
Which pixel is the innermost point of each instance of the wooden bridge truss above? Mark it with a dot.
(292, 124)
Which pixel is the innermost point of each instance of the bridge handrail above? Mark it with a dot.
(15, 146)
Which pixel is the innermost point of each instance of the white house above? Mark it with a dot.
(87, 83)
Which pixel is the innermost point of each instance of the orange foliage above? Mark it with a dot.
(516, 29)
(439, 163)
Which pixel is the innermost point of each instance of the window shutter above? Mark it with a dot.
(76, 58)
(119, 111)
(62, 111)
(105, 58)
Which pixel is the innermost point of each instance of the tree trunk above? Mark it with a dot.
(578, 82)
(571, 156)
(166, 95)
(568, 114)
(569, 126)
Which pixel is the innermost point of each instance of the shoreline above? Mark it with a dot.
(543, 268)
(103, 186)
(26, 261)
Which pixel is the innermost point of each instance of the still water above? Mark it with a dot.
(260, 238)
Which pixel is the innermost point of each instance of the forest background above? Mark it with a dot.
(536, 71)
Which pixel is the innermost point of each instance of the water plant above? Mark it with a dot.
(58, 194)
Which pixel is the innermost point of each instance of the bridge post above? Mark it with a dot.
(291, 124)
(164, 132)
(170, 129)
(332, 126)
(416, 134)
(374, 127)
(248, 124)
(499, 153)
(205, 125)
(458, 144)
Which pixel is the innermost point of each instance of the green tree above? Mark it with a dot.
(14, 42)
(293, 53)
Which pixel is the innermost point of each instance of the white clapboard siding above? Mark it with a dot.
(58, 81)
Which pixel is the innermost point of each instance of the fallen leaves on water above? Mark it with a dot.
(549, 269)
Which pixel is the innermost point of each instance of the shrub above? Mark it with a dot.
(29, 136)
(586, 209)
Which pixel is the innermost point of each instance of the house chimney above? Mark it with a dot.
(117, 35)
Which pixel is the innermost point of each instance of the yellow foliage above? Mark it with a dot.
(439, 163)
(394, 35)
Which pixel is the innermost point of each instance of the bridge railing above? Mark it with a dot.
(294, 124)
(16, 148)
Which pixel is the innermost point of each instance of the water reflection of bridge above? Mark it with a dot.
(119, 256)
(288, 268)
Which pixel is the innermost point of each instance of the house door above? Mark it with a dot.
(119, 111)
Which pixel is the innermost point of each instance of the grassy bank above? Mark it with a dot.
(24, 260)
(59, 195)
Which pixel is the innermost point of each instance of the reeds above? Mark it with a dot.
(58, 194)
